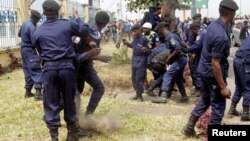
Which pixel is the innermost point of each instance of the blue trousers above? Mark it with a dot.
(196, 76)
(31, 68)
(242, 81)
(87, 73)
(59, 84)
(175, 72)
(210, 96)
(138, 78)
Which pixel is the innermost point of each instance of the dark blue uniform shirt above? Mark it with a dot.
(26, 32)
(54, 39)
(198, 44)
(153, 18)
(173, 42)
(188, 36)
(216, 45)
(244, 51)
(92, 31)
(139, 58)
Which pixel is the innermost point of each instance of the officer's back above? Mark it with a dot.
(55, 39)
(26, 32)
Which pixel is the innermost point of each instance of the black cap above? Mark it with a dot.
(194, 26)
(196, 16)
(102, 17)
(35, 13)
(136, 27)
(51, 5)
(158, 6)
(161, 25)
(229, 4)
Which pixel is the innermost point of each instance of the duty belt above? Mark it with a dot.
(64, 60)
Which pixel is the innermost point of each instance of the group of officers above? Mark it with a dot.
(58, 59)
(67, 49)
(205, 48)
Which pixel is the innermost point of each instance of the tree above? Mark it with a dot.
(169, 6)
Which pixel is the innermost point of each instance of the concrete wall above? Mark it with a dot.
(4, 55)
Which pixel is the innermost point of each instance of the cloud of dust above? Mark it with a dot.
(105, 124)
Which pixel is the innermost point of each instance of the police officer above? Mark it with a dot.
(139, 60)
(242, 79)
(187, 35)
(86, 55)
(153, 16)
(177, 61)
(53, 40)
(195, 52)
(30, 59)
(213, 67)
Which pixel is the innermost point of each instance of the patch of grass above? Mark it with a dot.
(21, 119)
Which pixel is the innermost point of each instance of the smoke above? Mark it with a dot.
(106, 124)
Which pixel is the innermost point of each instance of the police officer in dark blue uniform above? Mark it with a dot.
(153, 16)
(187, 35)
(177, 62)
(30, 59)
(190, 39)
(195, 52)
(242, 79)
(139, 60)
(86, 55)
(53, 41)
(213, 67)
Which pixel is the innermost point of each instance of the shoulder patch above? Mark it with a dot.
(198, 38)
(172, 42)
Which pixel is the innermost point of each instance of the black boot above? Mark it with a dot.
(245, 116)
(188, 129)
(72, 134)
(28, 93)
(150, 92)
(160, 92)
(38, 95)
(184, 98)
(54, 137)
(137, 97)
(83, 133)
(232, 110)
(161, 99)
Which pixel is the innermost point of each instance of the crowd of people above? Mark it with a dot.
(58, 59)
